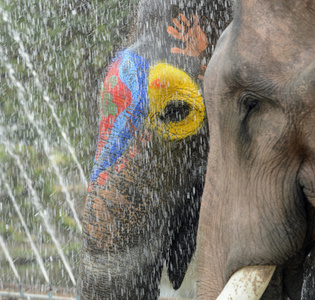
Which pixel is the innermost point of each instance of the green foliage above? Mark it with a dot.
(66, 221)
(9, 232)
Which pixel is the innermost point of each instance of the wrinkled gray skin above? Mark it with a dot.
(147, 213)
(259, 196)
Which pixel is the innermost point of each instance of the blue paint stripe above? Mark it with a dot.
(133, 72)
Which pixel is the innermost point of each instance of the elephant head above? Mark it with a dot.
(257, 211)
(144, 196)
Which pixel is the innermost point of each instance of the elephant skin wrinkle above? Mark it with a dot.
(258, 203)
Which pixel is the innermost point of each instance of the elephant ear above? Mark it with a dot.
(181, 252)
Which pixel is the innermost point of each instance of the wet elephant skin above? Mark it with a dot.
(259, 196)
(143, 201)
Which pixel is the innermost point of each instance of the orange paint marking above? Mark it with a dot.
(191, 34)
(132, 127)
(145, 137)
(122, 163)
(104, 175)
(100, 231)
(102, 178)
(100, 181)
(157, 84)
(90, 187)
(133, 151)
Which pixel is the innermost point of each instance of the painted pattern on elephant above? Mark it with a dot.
(131, 91)
(143, 200)
(191, 33)
(124, 105)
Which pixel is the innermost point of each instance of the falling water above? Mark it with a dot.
(9, 258)
(47, 99)
(16, 207)
(47, 133)
(44, 216)
(29, 115)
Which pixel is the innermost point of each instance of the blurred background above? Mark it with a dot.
(53, 56)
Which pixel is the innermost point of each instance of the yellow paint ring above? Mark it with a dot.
(168, 84)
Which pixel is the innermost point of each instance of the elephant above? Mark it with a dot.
(143, 201)
(256, 229)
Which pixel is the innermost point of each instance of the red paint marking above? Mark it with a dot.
(157, 84)
(102, 178)
(133, 151)
(104, 175)
(145, 136)
(100, 181)
(121, 164)
(121, 97)
(132, 127)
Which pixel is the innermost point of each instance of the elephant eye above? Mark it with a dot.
(175, 111)
(250, 104)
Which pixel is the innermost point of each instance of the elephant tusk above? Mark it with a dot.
(248, 283)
